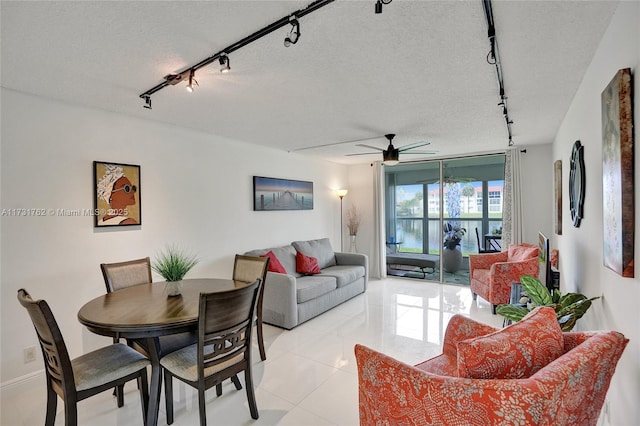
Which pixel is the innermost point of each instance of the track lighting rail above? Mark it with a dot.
(493, 58)
(173, 79)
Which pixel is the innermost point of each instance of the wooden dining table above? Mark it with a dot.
(146, 312)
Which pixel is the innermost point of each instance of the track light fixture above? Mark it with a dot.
(294, 34)
(379, 4)
(493, 58)
(192, 80)
(222, 56)
(224, 63)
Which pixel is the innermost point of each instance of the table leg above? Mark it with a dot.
(156, 381)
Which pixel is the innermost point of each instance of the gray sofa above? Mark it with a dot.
(293, 298)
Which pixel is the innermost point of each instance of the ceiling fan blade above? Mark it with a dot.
(369, 146)
(362, 153)
(420, 152)
(413, 145)
(333, 144)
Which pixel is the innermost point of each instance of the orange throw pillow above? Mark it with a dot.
(306, 264)
(274, 263)
(514, 352)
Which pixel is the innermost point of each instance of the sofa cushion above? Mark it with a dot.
(285, 254)
(306, 265)
(514, 352)
(320, 249)
(518, 252)
(274, 263)
(311, 286)
(344, 274)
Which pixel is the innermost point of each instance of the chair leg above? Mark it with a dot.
(52, 404)
(236, 382)
(493, 309)
(168, 396)
(263, 354)
(474, 296)
(120, 395)
(219, 389)
(70, 413)
(143, 386)
(251, 397)
(202, 408)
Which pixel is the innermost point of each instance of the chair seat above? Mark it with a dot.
(443, 365)
(184, 363)
(105, 365)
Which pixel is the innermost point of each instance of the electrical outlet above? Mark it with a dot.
(29, 354)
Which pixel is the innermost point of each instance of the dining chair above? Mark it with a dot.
(133, 272)
(482, 249)
(249, 269)
(223, 350)
(87, 375)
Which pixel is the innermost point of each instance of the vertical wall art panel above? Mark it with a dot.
(617, 175)
(116, 194)
(557, 193)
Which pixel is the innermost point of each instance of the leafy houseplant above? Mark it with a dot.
(569, 307)
(173, 264)
(453, 235)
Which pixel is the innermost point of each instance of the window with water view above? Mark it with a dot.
(421, 199)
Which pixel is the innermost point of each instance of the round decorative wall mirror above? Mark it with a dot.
(576, 183)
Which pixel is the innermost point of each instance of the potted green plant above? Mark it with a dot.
(173, 264)
(569, 307)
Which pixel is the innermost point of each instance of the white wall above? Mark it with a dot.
(196, 191)
(537, 191)
(581, 257)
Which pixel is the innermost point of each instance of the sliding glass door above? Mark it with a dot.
(437, 210)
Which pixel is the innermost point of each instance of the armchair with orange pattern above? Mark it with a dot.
(491, 274)
(514, 376)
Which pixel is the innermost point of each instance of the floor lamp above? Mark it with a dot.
(341, 193)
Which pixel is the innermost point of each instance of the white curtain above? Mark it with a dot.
(512, 206)
(377, 263)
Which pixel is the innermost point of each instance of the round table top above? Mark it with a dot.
(146, 310)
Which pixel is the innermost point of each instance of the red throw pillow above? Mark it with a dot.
(274, 263)
(514, 352)
(306, 264)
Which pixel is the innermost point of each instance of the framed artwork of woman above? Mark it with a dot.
(117, 198)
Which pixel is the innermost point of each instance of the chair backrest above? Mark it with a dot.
(126, 274)
(54, 351)
(250, 268)
(224, 326)
(478, 240)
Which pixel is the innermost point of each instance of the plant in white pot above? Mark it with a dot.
(173, 264)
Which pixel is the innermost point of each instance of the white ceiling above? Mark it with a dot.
(419, 69)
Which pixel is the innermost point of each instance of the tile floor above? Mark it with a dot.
(310, 375)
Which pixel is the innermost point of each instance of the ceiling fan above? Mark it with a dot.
(391, 155)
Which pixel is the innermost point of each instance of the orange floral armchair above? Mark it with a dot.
(569, 390)
(491, 274)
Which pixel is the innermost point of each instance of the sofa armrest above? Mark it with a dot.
(462, 328)
(485, 260)
(352, 259)
(280, 302)
(582, 375)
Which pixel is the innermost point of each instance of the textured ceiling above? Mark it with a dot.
(418, 69)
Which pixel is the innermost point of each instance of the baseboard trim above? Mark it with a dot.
(22, 380)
